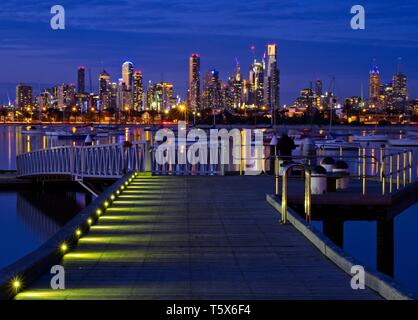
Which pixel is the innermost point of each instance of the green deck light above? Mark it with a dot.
(112, 197)
(123, 187)
(64, 248)
(98, 212)
(89, 221)
(16, 284)
(126, 183)
(117, 191)
(106, 204)
(78, 232)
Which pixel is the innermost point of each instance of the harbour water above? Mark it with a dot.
(26, 222)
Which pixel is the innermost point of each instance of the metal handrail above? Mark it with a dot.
(404, 167)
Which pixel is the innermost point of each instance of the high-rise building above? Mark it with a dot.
(212, 94)
(272, 79)
(318, 88)
(194, 82)
(104, 90)
(235, 85)
(23, 96)
(374, 83)
(256, 81)
(127, 74)
(138, 91)
(81, 80)
(399, 84)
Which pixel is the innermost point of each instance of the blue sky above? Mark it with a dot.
(314, 39)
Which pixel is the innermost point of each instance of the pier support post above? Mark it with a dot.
(334, 229)
(385, 247)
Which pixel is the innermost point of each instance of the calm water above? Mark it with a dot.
(27, 219)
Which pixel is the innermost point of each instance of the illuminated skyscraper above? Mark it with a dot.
(212, 94)
(81, 80)
(23, 96)
(138, 91)
(272, 79)
(399, 84)
(194, 82)
(256, 81)
(104, 90)
(235, 85)
(127, 74)
(374, 83)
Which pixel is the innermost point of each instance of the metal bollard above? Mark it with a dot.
(276, 173)
(390, 172)
(308, 192)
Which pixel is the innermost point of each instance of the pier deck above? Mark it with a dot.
(196, 238)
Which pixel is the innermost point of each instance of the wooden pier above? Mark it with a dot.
(196, 238)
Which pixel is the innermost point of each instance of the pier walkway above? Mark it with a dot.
(196, 238)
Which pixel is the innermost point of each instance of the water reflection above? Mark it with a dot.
(28, 218)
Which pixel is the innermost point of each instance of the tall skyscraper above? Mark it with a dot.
(272, 79)
(194, 82)
(235, 85)
(81, 80)
(374, 82)
(23, 96)
(127, 74)
(256, 80)
(399, 84)
(138, 91)
(212, 94)
(104, 90)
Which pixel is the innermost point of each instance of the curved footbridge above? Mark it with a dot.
(190, 237)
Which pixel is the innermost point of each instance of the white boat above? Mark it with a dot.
(370, 138)
(405, 142)
(336, 144)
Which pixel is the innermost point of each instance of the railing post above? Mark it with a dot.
(383, 174)
(359, 163)
(364, 171)
(398, 169)
(284, 197)
(410, 165)
(276, 174)
(404, 168)
(390, 172)
(308, 193)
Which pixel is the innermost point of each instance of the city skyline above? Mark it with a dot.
(311, 44)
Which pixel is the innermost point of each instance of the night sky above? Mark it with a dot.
(314, 39)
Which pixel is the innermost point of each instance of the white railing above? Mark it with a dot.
(176, 167)
(99, 161)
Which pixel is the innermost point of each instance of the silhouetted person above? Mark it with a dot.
(285, 146)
